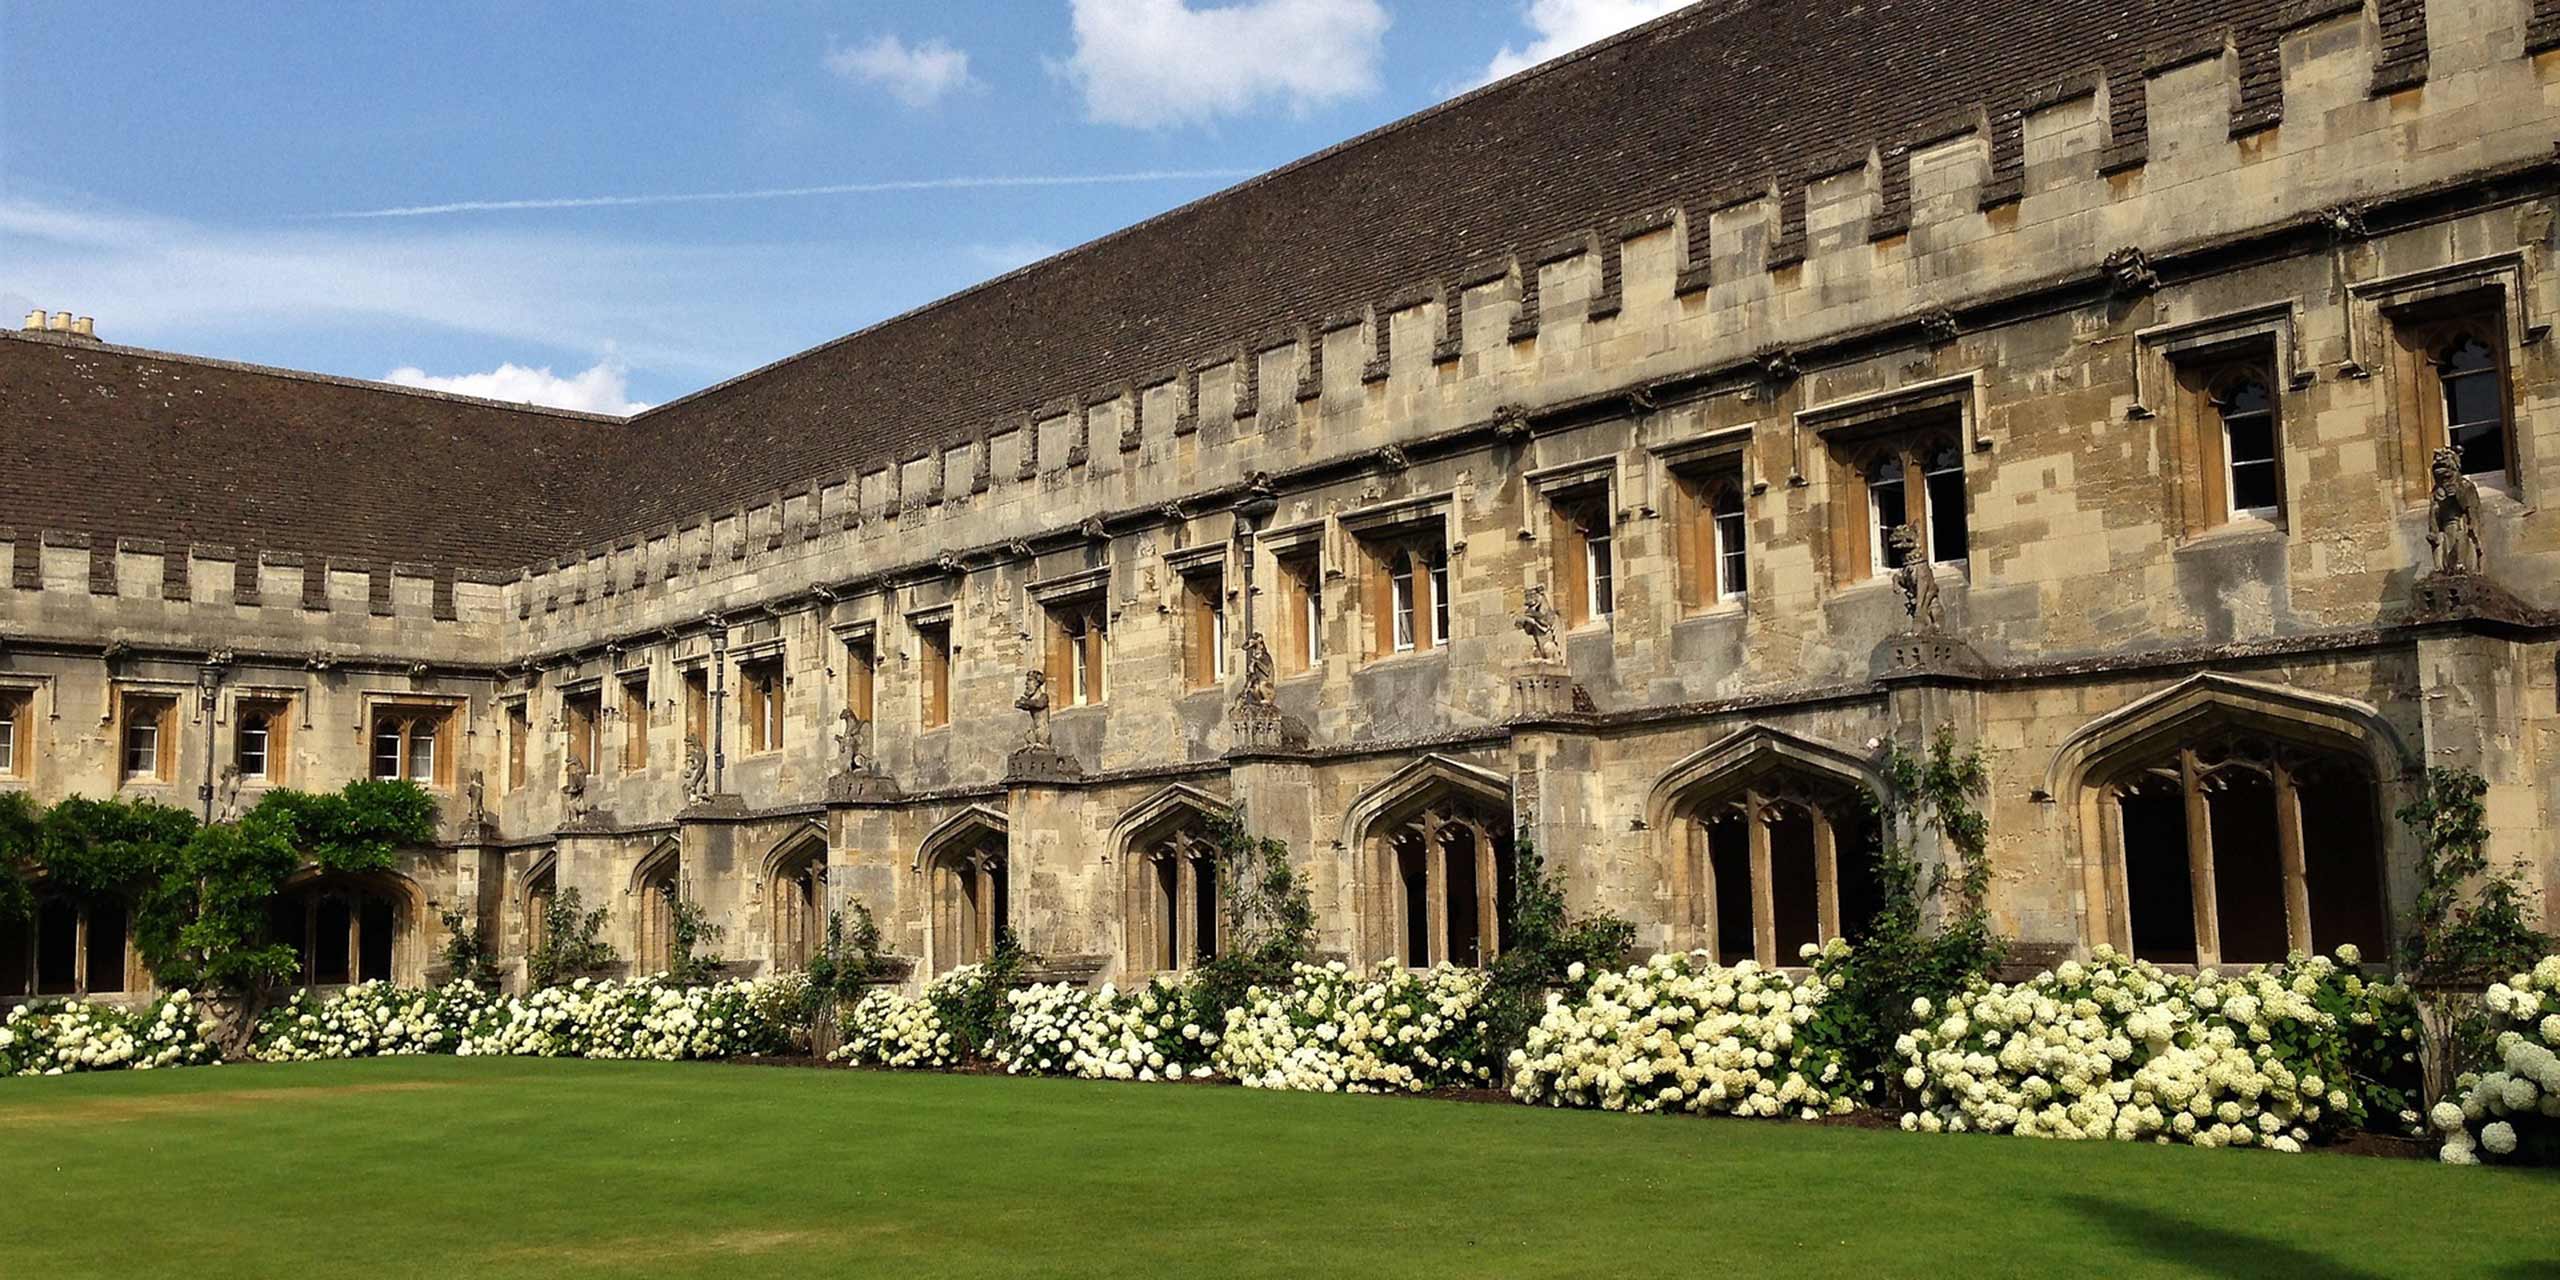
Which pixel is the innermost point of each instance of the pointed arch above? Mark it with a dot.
(658, 863)
(1169, 871)
(1432, 848)
(792, 878)
(535, 892)
(966, 865)
(348, 927)
(2223, 820)
(1770, 841)
(655, 886)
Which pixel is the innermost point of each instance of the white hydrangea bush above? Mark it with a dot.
(59, 1037)
(2513, 1112)
(1336, 1030)
(645, 1018)
(1680, 1032)
(886, 1029)
(371, 1019)
(1146, 1034)
(2117, 1048)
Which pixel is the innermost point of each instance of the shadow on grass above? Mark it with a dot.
(2208, 1250)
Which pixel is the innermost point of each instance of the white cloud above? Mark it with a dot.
(604, 387)
(917, 75)
(1563, 26)
(1159, 63)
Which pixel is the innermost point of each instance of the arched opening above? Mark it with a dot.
(654, 889)
(1171, 902)
(67, 947)
(797, 893)
(1442, 884)
(1772, 847)
(541, 889)
(967, 890)
(343, 928)
(2226, 822)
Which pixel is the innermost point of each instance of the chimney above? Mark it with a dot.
(85, 327)
(61, 322)
(35, 321)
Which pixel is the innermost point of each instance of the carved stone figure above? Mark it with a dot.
(1918, 582)
(1034, 702)
(1261, 685)
(573, 790)
(227, 795)
(2129, 273)
(851, 739)
(475, 802)
(2453, 517)
(1538, 618)
(697, 771)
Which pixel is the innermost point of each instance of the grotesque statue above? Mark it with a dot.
(228, 792)
(1538, 618)
(475, 802)
(850, 737)
(1260, 684)
(2453, 517)
(697, 771)
(1918, 582)
(573, 790)
(1035, 703)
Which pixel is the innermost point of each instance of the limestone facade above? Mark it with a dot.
(2206, 669)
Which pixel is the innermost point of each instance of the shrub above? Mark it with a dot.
(2512, 1112)
(1144, 1034)
(1332, 1029)
(58, 1037)
(1682, 1033)
(886, 1029)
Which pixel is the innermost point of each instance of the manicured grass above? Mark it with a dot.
(487, 1168)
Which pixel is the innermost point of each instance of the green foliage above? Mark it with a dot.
(203, 921)
(89, 847)
(689, 962)
(1268, 920)
(18, 820)
(570, 948)
(361, 827)
(467, 958)
(1545, 944)
(2469, 925)
(970, 1000)
(1898, 958)
(848, 964)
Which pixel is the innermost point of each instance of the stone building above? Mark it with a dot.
(2149, 322)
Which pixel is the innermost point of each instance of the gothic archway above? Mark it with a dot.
(349, 927)
(965, 863)
(1438, 882)
(795, 881)
(654, 890)
(1170, 889)
(1770, 842)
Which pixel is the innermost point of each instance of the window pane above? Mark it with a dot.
(142, 746)
(386, 751)
(1315, 621)
(8, 739)
(422, 754)
(1733, 573)
(1885, 509)
(1439, 602)
(253, 747)
(2253, 486)
(1401, 584)
(1604, 593)
(1947, 538)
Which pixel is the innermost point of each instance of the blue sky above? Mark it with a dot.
(185, 172)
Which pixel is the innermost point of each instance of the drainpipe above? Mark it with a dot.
(1252, 511)
(719, 696)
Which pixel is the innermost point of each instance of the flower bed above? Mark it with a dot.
(2117, 1048)
(1336, 1030)
(644, 1019)
(2514, 1111)
(1145, 1035)
(1682, 1033)
(51, 1038)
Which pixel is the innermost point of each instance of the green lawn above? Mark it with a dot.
(488, 1168)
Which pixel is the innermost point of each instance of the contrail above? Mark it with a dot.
(786, 193)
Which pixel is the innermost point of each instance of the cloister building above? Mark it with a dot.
(1618, 457)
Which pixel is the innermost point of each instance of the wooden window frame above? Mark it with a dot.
(862, 675)
(933, 673)
(635, 721)
(1582, 528)
(1078, 648)
(519, 738)
(441, 723)
(17, 714)
(28, 942)
(1206, 636)
(277, 712)
(763, 685)
(161, 708)
(697, 707)
(2422, 333)
(582, 721)
(1300, 572)
(1423, 548)
(1858, 549)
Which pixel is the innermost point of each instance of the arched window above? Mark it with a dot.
(1942, 472)
(1733, 568)
(798, 893)
(1172, 902)
(967, 891)
(2236, 847)
(541, 889)
(1441, 883)
(2253, 466)
(654, 922)
(343, 929)
(67, 947)
(2475, 403)
(1401, 583)
(1783, 861)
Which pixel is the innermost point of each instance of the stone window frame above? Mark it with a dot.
(2200, 706)
(24, 936)
(2179, 370)
(1695, 471)
(859, 642)
(1207, 618)
(764, 694)
(795, 883)
(535, 894)
(160, 701)
(1856, 434)
(1170, 831)
(2380, 315)
(403, 907)
(632, 683)
(963, 918)
(445, 720)
(657, 884)
(21, 696)
(1413, 796)
(1580, 497)
(936, 633)
(518, 714)
(582, 709)
(1418, 532)
(1075, 633)
(1303, 558)
(1766, 770)
(277, 705)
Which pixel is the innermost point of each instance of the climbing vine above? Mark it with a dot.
(1898, 959)
(1268, 918)
(691, 933)
(570, 945)
(1546, 946)
(2469, 924)
(468, 959)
